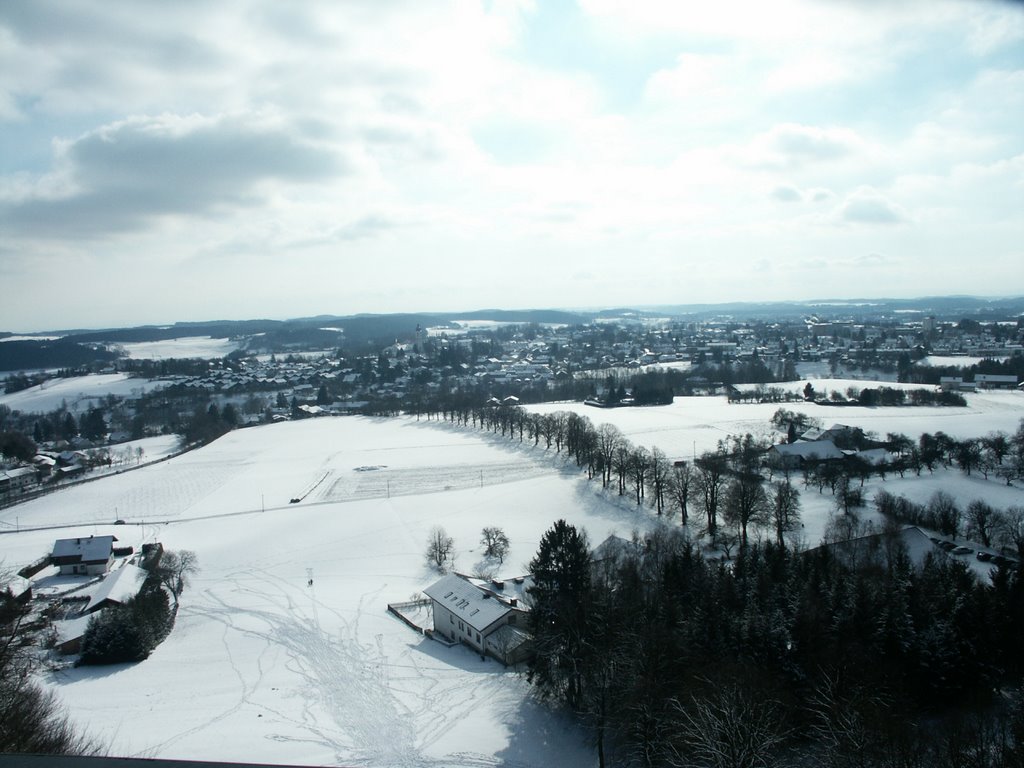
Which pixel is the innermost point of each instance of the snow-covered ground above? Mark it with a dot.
(262, 667)
(204, 347)
(963, 361)
(28, 338)
(692, 425)
(79, 393)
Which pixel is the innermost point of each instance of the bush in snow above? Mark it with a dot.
(129, 632)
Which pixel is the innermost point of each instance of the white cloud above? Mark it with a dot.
(117, 177)
(787, 193)
(868, 206)
(416, 145)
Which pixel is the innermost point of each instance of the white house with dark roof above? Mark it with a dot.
(485, 619)
(16, 480)
(90, 556)
(995, 381)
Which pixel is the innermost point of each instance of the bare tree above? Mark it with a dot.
(639, 465)
(175, 570)
(621, 462)
(982, 521)
(729, 728)
(945, 513)
(608, 439)
(746, 504)
(711, 478)
(839, 721)
(1011, 529)
(680, 483)
(657, 476)
(785, 509)
(495, 542)
(439, 548)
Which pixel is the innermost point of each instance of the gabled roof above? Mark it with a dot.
(816, 450)
(613, 548)
(915, 541)
(508, 638)
(119, 587)
(18, 472)
(94, 549)
(467, 601)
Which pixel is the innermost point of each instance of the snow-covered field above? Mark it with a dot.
(262, 667)
(695, 424)
(204, 347)
(78, 392)
(28, 338)
(962, 361)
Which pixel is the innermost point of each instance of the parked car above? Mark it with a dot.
(985, 556)
(961, 550)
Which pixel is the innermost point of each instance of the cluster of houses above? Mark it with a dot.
(816, 445)
(981, 381)
(45, 466)
(539, 354)
(103, 575)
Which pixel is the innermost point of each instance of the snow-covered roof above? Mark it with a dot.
(118, 587)
(92, 549)
(818, 449)
(914, 540)
(507, 590)
(18, 472)
(467, 601)
(18, 585)
(71, 629)
(508, 637)
(612, 548)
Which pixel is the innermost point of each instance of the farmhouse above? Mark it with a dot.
(91, 556)
(883, 548)
(794, 455)
(16, 480)
(485, 618)
(994, 381)
(117, 588)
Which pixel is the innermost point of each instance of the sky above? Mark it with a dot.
(163, 162)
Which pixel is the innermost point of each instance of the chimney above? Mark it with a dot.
(514, 602)
(498, 584)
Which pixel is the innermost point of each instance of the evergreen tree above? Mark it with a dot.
(558, 618)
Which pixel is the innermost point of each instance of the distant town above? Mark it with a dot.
(392, 364)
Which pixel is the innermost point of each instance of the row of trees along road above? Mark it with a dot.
(726, 487)
(779, 658)
(738, 488)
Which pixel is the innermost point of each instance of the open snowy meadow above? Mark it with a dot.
(263, 667)
(77, 393)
